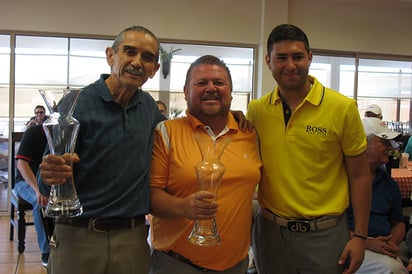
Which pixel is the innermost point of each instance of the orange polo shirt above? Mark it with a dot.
(175, 153)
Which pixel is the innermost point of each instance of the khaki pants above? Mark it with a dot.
(83, 251)
(278, 250)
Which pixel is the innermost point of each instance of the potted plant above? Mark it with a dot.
(166, 58)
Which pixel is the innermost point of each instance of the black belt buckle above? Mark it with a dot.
(299, 226)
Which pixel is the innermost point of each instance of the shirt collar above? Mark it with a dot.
(231, 126)
(314, 96)
(104, 92)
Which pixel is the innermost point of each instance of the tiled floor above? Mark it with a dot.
(11, 262)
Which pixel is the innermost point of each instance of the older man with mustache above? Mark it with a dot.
(111, 173)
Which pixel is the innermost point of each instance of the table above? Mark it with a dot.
(403, 176)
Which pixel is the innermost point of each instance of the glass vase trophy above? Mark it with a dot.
(209, 173)
(61, 131)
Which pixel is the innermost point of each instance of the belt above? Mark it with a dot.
(103, 224)
(185, 260)
(301, 225)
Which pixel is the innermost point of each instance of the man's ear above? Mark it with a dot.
(109, 56)
(267, 59)
(156, 68)
(185, 91)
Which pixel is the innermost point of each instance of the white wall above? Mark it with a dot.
(214, 20)
(371, 26)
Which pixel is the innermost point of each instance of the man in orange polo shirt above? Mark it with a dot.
(175, 199)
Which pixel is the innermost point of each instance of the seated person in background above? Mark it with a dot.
(28, 158)
(374, 111)
(38, 118)
(408, 148)
(162, 107)
(386, 228)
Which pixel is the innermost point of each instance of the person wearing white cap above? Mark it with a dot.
(374, 111)
(386, 229)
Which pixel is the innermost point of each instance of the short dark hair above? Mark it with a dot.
(40, 106)
(120, 38)
(287, 32)
(211, 60)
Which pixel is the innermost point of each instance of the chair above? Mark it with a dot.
(16, 203)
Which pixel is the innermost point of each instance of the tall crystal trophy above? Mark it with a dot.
(61, 130)
(209, 173)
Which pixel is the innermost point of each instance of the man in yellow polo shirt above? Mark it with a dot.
(175, 197)
(313, 147)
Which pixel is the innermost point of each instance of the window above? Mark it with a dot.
(239, 59)
(385, 82)
(4, 83)
(385, 79)
(87, 60)
(60, 62)
(41, 60)
(389, 83)
(53, 63)
(335, 72)
(4, 121)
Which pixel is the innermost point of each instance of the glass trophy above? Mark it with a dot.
(61, 131)
(209, 173)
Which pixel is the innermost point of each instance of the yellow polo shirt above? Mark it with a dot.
(304, 173)
(175, 153)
